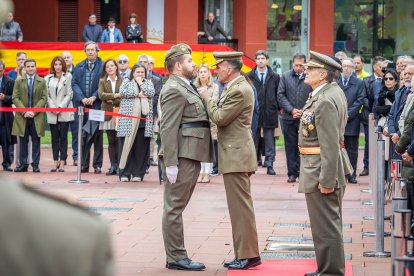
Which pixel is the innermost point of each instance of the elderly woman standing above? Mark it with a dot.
(109, 85)
(135, 134)
(59, 95)
(205, 79)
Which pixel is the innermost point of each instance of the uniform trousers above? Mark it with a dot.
(351, 146)
(243, 221)
(290, 130)
(325, 214)
(176, 198)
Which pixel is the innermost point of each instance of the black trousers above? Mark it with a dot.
(290, 130)
(59, 133)
(74, 129)
(138, 155)
(24, 145)
(113, 147)
(5, 147)
(215, 163)
(269, 146)
(97, 141)
(351, 146)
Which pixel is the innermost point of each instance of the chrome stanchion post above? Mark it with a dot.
(379, 190)
(399, 242)
(372, 134)
(80, 124)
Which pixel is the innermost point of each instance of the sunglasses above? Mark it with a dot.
(122, 61)
(390, 79)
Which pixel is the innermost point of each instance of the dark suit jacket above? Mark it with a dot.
(395, 112)
(211, 29)
(78, 83)
(354, 93)
(7, 118)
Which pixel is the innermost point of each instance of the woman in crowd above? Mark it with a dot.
(109, 94)
(133, 32)
(135, 134)
(205, 80)
(387, 95)
(59, 95)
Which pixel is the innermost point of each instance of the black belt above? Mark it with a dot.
(195, 125)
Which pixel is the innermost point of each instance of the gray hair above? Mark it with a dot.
(87, 43)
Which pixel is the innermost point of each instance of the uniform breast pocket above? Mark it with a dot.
(311, 161)
(230, 146)
(193, 107)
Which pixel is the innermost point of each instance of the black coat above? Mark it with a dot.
(267, 97)
(7, 118)
(354, 93)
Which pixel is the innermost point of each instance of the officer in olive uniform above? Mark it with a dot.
(186, 141)
(45, 236)
(324, 162)
(236, 154)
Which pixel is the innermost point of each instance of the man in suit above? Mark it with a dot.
(6, 118)
(353, 88)
(266, 83)
(42, 235)
(29, 91)
(236, 151)
(324, 163)
(292, 94)
(212, 27)
(186, 141)
(85, 84)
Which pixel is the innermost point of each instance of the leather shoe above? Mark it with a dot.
(36, 169)
(364, 172)
(21, 169)
(352, 180)
(226, 264)
(270, 171)
(75, 163)
(85, 170)
(7, 169)
(291, 179)
(186, 264)
(259, 163)
(98, 170)
(111, 171)
(316, 273)
(245, 263)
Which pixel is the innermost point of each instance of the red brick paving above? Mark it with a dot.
(137, 236)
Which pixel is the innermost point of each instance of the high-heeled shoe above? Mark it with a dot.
(57, 164)
(62, 166)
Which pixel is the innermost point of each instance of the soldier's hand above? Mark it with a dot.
(406, 157)
(172, 173)
(325, 190)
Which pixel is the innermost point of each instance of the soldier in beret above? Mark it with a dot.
(186, 141)
(236, 154)
(324, 162)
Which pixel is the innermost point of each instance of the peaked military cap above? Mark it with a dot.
(178, 50)
(318, 60)
(222, 56)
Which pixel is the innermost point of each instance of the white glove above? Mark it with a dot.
(172, 172)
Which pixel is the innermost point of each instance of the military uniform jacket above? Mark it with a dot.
(233, 116)
(322, 125)
(180, 103)
(21, 99)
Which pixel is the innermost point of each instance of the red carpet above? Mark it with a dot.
(283, 267)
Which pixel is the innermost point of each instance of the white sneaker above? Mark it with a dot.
(124, 179)
(136, 179)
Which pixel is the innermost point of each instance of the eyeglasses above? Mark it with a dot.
(390, 79)
(122, 61)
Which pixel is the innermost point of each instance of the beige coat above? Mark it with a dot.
(180, 103)
(322, 125)
(21, 99)
(233, 116)
(59, 95)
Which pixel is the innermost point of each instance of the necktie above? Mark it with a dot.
(90, 66)
(193, 86)
(405, 95)
(30, 91)
(262, 78)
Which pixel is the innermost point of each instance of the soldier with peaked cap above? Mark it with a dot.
(236, 154)
(324, 162)
(186, 141)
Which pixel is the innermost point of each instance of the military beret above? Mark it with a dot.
(222, 56)
(318, 60)
(178, 50)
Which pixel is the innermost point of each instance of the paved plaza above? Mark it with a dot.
(134, 211)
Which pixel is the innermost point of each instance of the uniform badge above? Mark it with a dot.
(305, 132)
(308, 122)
